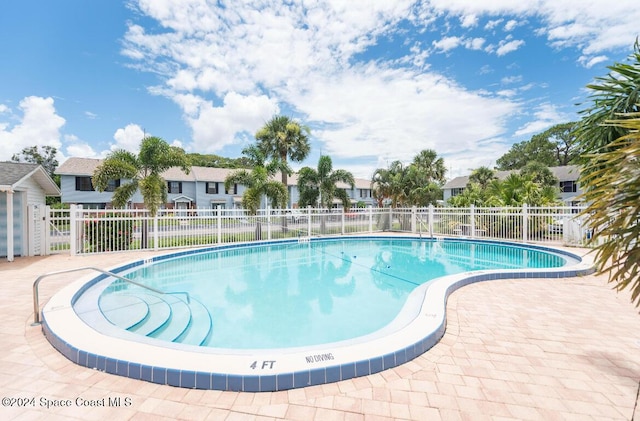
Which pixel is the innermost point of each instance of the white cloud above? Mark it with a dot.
(506, 47)
(129, 138)
(511, 79)
(447, 43)
(468, 21)
(510, 25)
(397, 113)
(474, 43)
(589, 62)
(38, 125)
(545, 116)
(215, 127)
(230, 69)
(493, 23)
(593, 27)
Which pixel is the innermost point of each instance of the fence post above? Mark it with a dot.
(268, 223)
(47, 230)
(342, 221)
(431, 220)
(472, 220)
(525, 223)
(370, 220)
(156, 234)
(219, 224)
(413, 219)
(73, 230)
(308, 220)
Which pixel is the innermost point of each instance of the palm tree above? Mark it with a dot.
(482, 176)
(390, 184)
(143, 172)
(318, 187)
(612, 191)
(615, 94)
(430, 166)
(282, 139)
(258, 183)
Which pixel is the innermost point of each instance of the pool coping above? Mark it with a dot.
(272, 370)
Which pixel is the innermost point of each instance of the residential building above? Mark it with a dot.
(567, 183)
(202, 188)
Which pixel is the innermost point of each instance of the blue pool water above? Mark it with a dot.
(318, 292)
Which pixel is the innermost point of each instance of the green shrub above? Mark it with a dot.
(107, 234)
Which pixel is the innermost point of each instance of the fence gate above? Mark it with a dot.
(36, 234)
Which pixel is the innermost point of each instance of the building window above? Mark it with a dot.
(112, 185)
(456, 191)
(212, 188)
(568, 187)
(174, 187)
(84, 184)
(235, 190)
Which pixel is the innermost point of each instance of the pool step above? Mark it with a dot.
(124, 310)
(159, 314)
(166, 317)
(197, 333)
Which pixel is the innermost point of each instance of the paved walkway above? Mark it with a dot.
(566, 349)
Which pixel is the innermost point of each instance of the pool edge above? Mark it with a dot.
(433, 320)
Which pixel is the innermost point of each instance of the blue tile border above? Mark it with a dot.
(285, 381)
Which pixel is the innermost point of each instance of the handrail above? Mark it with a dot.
(36, 301)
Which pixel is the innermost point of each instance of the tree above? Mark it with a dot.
(283, 139)
(215, 161)
(142, 172)
(613, 95)
(318, 187)
(387, 184)
(610, 176)
(425, 178)
(420, 183)
(482, 176)
(556, 146)
(258, 182)
(45, 157)
(539, 173)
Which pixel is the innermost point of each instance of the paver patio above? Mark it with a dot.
(528, 349)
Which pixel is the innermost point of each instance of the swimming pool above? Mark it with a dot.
(283, 314)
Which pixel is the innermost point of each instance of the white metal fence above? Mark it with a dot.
(83, 231)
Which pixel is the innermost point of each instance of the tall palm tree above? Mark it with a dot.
(284, 139)
(430, 166)
(142, 172)
(258, 182)
(482, 176)
(390, 184)
(318, 187)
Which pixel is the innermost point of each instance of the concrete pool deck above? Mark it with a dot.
(539, 349)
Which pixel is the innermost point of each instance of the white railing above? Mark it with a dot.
(84, 231)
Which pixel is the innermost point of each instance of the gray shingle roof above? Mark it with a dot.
(565, 173)
(13, 174)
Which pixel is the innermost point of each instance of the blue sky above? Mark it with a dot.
(376, 81)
